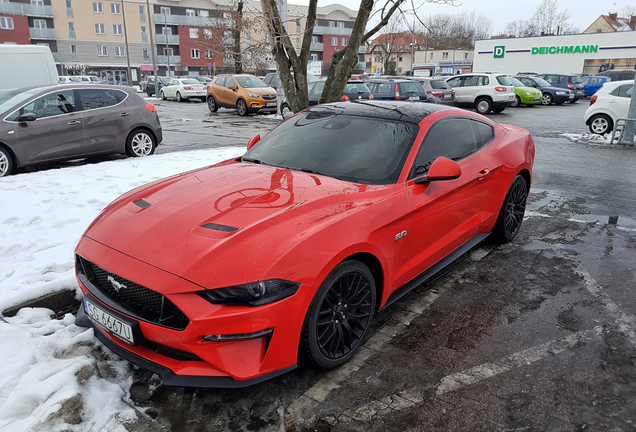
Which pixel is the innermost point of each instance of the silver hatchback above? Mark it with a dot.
(53, 123)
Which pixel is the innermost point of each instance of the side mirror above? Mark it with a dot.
(231, 87)
(441, 169)
(252, 142)
(27, 117)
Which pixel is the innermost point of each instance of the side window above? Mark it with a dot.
(623, 91)
(317, 88)
(452, 138)
(411, 87)
(384, 88)
(454, 82)
(52, 104)
(219, 81)
(472, 81)
(482, 132)
(484, 81)
(100, 98)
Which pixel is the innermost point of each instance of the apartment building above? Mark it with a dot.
(28, 22)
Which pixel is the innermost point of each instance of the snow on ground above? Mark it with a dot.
(56, 376)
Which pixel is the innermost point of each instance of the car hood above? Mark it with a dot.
(261, 90)
(526, 89)
(199, 225)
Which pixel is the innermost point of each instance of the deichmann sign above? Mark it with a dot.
(565, 49)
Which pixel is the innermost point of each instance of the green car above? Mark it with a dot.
(525, 95)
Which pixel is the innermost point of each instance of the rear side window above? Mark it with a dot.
(624, 90)
(100, 98)
(411, 87)
(575, 79)
(503, 80)
(220, 81)
(382, 88)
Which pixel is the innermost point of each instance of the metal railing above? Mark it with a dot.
(316, 47)
(172, 39)
(336, 31)
(189, 20)
(40, 33)
(162, 59)
(27, 9)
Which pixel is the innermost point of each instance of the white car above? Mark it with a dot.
(608, 104)
(483, 91)
(184, 89)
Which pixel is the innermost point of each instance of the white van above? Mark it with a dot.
(26, 65)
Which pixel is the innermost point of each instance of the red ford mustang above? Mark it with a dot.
(227, 275)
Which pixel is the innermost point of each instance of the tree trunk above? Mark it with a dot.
(236, 36)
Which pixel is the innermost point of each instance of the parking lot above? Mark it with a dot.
(535, 335)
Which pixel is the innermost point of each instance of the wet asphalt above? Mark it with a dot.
(536, 335)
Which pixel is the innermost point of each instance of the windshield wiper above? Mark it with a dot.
(247, 159)
(311, 171)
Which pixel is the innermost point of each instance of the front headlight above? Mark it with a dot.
(251, 294)
(528, 93)
(253, 95)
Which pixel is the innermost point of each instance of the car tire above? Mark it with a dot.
(600, 124)
(574, 100)
(163, 96)
(285, 110)
(483, 105)
(6, 162)
(499, 110)
(212, 106)
(179, 98)
(140, 143)
(517, 102)
(512, 211)
(546, 99)
(148, 92)
(343, 305)
(241, 108)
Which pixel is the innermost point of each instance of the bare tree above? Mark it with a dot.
(384, 46)
(628, 11)
(547, 20)
(455, 30)
(221, 38)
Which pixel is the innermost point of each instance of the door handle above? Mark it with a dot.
(483, 173)
(124, 114)
(73, 122)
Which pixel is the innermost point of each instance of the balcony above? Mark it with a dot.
(336, 31)
(42, 33)
(362, 49)
(144, 37)
(142, 17)
(189, 20)
(172, 39)
(71, 34)
(56, 57)
(69, 12)
(27, 9)
(361, 66)
(162, 59)
(316, 47)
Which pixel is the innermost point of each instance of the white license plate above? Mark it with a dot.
(446, 96)
(109, 322)
(414, 98)
(270, 104)
(571, 96)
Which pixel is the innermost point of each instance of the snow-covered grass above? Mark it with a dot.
(55, 375)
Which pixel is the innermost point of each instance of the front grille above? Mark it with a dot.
(131, 298)
(269, 97)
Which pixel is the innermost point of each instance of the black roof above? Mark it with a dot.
(413, 112)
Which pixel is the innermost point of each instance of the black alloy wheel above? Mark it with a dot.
(339, 315)
(511, 214)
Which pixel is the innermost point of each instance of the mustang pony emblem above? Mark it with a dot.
(115, 284)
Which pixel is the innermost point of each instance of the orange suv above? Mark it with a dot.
(246, 93)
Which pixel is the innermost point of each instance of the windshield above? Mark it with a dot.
(575, 79)
(163, 80)
(10, 98)
(515, 82)
(250, 82)
(541, 82)
(351, 148)
(358, 88)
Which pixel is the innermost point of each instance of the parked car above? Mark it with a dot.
(608, 104)
(273, 80)
(549, 94)
(437, 90)
(73, 79)
(592, 83)
(246, 93)
(362, 77)
(354, 89)
(484, 92)
(570, 82)
(619, 74)
(230, 274)
(525, 95)
(151, 84)
(183, 90)
(51, 123)
(397, 89)
(204, 79)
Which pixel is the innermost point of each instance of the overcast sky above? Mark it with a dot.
(582, 12)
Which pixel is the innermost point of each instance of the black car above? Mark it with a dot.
(549, 93)
(570, 82)
(397, 89)
(70, 121)
(354, 89)
(151, 88)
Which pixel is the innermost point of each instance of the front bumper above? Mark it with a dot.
(258, 105)
(182, 356)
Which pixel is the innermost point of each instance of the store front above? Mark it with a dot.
(585, 54)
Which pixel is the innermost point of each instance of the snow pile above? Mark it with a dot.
(55, 375)
(589, 138)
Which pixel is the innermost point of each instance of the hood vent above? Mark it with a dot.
(217, 227)
(141, 203)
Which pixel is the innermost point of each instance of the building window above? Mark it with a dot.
(6, 23)
(166, 31)
(298, 42)
(71, 26)
(334, 41)
(314, 40)
(144, 51)
(267, 38)
(209, 54)
(465, 55)
(204, 13)
(102, 50)
(431, 56)
(207, 33)
(143, 30)
(118, 29)
(69, 4)
(340, 24)
(100, 28)
(190, 12)
(297, 26)
(74, 49)
(97, 7)
(249, 39)
(399, 58)
(332, 24)
(165, 11)
(119, 51)
(194, 33)
(141, 9)
(115, 8)
(445, 55)
(168, 52)
(195, 53)
(37, 2)
(314, 57)
(39, 24)
(344, 42)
